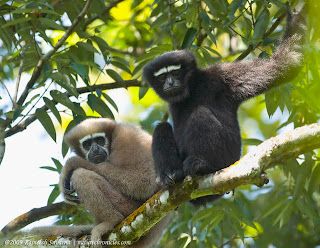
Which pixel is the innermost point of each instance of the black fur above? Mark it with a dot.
(206, 136)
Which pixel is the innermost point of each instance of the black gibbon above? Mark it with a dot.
(113, 173)
(203, 104)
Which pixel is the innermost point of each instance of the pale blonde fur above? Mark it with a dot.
(113, 189)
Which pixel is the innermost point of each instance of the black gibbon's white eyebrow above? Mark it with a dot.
(167, 69)
(92, 136)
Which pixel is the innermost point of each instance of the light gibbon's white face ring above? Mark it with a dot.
(95, 147)
(167, 69)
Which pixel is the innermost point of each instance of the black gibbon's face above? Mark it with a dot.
(95, 147)
(170, 83)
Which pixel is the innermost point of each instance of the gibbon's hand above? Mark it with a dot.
(68, 190)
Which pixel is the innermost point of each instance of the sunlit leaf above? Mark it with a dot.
(114, 75)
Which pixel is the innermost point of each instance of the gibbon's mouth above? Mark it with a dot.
(97, 159)
(172, 89)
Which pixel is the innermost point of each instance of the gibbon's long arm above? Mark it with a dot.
(249, 78)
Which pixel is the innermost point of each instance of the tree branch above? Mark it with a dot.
(37, 70)
(250, 48)
(173, 38)
(121, 84)
(248, 170)
(24, 49)
(36, 214)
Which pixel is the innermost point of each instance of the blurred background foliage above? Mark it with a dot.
(111, 45)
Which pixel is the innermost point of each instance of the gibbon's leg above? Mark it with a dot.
(202, 159)
(201, 134)
(99, 197)
(168, 163)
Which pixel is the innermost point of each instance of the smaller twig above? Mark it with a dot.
(39, 98)
(5, 87)
(37, 70)
(2, 144)
(36, 214)
(122, 84)
(251, 11)
(23, 53)
(267, 34)
(198, 35)
(173, 38)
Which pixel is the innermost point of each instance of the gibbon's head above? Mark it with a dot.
(91, 139)
(171, 75)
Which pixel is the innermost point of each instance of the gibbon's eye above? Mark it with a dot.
(87, 144)
(100, 141)
(162, 77)
(176, 73)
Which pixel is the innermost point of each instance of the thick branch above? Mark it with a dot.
(37, 214)
(37, 70)
(121, 84)
(248, 170)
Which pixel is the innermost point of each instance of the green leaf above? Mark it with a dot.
(163, 18)
(53, 108)
(48, 168)
(271, 102)
(54, 194)
(64, 81)
(261, 25)
(87, 47)
(46, 122)
(64, 100)
(189, 38)
(205, 213)
(81, 70)
(251, 142)
(102, 44)
(121, 66)
(114, 75)
(142, 92)
(17, 21)
(57, 164)
(48, 23)
(65, 147)
(139, 67)
(109, 99)
(96, 104)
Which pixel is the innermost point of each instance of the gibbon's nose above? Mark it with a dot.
(94, 148)
(170, 80)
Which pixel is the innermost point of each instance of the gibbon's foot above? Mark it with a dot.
(194, 166)
(169, 177)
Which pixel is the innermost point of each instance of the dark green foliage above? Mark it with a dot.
(285, 213)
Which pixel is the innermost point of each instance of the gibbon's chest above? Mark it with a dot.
(217, 103)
